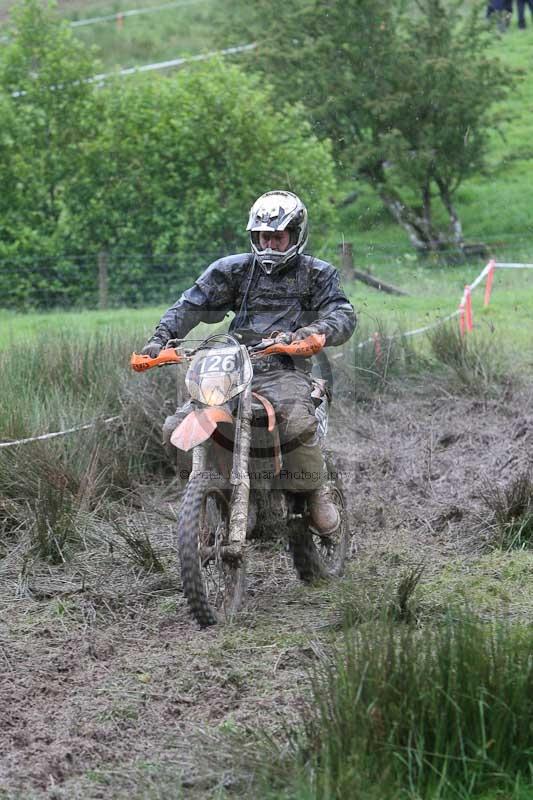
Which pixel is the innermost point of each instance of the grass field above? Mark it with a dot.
(184, 29)
(17, 328)
(433, 293)
(376, 686)
(151, 706)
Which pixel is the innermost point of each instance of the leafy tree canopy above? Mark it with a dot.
(159, 172)
(404, 90)
(47, 109)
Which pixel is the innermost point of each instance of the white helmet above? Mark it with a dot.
(278, 211)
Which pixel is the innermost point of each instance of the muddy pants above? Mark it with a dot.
(289, 391)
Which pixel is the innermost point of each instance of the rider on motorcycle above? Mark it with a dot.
(275, 288)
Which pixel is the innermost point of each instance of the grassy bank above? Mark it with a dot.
(436, 713)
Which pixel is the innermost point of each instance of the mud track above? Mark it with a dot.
(109, 690)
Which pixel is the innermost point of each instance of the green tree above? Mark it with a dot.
(46, 111)
(158, 171)
(176, 165)
(405, 91)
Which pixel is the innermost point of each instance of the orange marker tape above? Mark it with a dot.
(488, 285)
(468, 310)
(377, 346)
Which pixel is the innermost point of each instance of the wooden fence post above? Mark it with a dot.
(350, 273)
(346, 259)
(103, 279)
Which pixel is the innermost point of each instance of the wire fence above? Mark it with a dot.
(133, 12)
(100, 279)
(109, 278)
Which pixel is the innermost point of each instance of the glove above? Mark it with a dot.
(152, 348)
(303, 333)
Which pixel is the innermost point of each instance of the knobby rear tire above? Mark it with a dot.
(320, 557)
(214, 587)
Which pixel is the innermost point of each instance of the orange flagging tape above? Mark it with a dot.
(377, 346)
(468, 310)
(466, 322)
(490, 278)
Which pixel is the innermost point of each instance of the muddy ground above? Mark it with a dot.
(109, 690)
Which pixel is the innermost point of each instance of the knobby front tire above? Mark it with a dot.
(214, 586)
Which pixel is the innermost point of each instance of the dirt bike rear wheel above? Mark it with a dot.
(315, 557)
(212, 584)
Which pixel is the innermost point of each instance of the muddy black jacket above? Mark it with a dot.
(306, 291)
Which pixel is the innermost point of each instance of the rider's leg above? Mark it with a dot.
(183, 460)
(304, 469)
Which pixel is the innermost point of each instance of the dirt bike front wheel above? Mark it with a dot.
(213, 583)
(315, 557)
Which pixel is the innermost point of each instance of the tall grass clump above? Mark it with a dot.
(475, 363)
(512, 508)
(400, 712)
(65, 382)
(54, 491)
(373, 359)
(47, 486)
(54, 526)
(138, 546)
(59, 382)
(366, 599)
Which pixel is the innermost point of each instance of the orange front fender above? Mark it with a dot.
(198, 426)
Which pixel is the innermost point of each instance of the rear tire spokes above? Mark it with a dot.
(316, 556)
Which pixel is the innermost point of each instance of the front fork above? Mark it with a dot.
(239, 472)
(240, 478)
(199, 458)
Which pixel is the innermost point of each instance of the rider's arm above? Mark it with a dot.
(335, 315)
(208, 300)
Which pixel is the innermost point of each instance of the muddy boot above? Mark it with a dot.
(252, 518)
(325, 516)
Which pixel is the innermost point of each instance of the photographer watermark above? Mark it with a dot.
(316, 476)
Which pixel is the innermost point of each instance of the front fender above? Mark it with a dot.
(198, 426)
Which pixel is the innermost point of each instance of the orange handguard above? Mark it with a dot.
(305, 347)
(141, 363)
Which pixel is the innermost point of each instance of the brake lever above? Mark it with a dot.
(277, 337)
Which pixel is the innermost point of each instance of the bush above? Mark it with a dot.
(159, 172)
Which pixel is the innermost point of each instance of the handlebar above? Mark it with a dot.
(303, 349)
(141, 363)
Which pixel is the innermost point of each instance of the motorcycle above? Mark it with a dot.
(235, 479)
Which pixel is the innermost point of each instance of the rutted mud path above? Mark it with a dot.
(105, 683)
